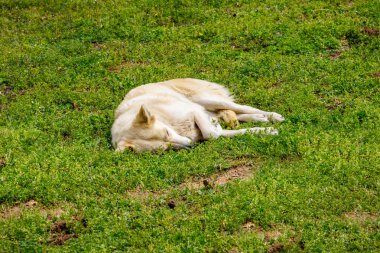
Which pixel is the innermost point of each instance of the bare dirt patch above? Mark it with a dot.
(59, 227)
(275, 236)
(10, 92)
(61, 232)
(239, 172)
(6, 91)
(31, 204)
(17, 210)
(371, 31)
(11, 212)
(335, 103)
(144, 195)
(276, 247)
(344, 46)
(233, 250)
(61, 239)
(242, 172)
(377, 74)
(335, 55)
(361, 217)
(268, 235)
(54, 212)
(97, 45)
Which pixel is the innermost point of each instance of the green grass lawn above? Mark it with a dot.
(65, 65)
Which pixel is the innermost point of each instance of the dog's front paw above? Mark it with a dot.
(264, 130)
(275, 117)
(271, 131)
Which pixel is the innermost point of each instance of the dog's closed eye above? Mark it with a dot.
(129, 146)
(167, 134)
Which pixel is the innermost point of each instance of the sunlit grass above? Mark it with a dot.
(66, 65)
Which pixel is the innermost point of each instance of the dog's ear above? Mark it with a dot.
(144, 118)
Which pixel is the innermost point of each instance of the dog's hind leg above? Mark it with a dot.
(252, 117)
(209, 130)
(215, 104)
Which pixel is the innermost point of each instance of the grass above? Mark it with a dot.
(66, 65)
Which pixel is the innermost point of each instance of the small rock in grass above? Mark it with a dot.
(171, 204)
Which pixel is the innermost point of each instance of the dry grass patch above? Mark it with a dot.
(145, 195)
(98, 46)
(17, 210)
(371, 31)
(344, 46)
(276, 247)
(275, 236)
(268, 235)
(335, 103)
(241, 172)
(361, 217)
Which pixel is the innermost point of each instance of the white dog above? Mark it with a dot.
(179, 113)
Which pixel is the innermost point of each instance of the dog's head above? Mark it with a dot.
(148, 133)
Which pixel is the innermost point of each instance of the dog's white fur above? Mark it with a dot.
(178, 113)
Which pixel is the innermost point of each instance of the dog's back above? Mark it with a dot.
(183, 89)
(191, 88)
